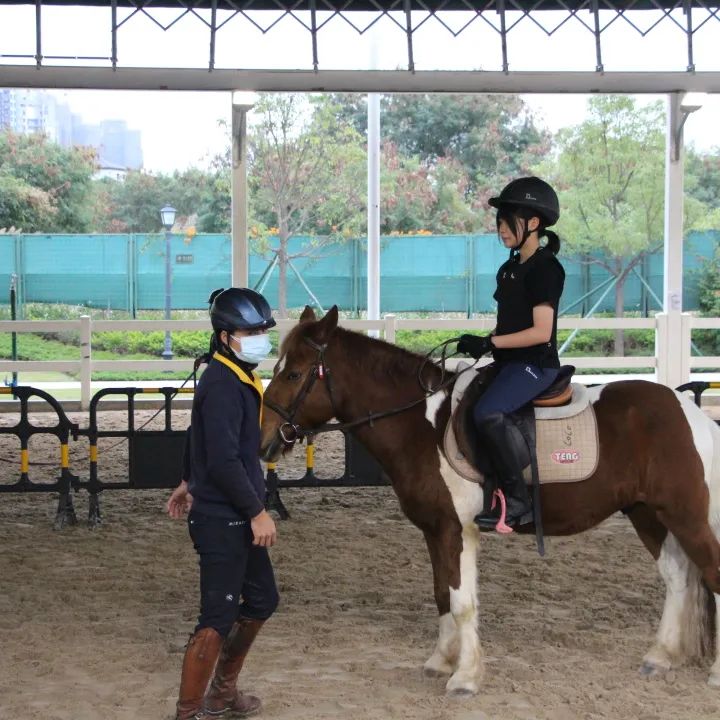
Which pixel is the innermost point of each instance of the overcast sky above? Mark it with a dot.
(180, 129)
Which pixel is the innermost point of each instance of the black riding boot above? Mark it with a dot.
(506, 455)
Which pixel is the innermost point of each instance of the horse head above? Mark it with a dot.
(298, 397)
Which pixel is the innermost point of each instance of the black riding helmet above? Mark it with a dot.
(239, 309)
(532, 193)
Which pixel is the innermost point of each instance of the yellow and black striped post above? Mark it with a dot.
(24, 430)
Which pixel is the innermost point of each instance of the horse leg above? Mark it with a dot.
(682, 584)
(453, 552)
(684, 629)
(653, 534)
(444, 657)
(682, 626)
(463, 604)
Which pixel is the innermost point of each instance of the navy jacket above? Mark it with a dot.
(225, 475)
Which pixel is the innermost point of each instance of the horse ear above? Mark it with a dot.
(327, 325)
(308, 314)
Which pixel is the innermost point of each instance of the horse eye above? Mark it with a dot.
(294, 375)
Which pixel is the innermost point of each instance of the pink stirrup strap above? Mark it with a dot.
(501, 526)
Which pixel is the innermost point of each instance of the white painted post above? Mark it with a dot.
(685, 347)
(673, 252)
(373, 221)
(85, 361)
(661, 347)
(390, 328)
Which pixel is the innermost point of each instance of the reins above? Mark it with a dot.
(290, 431)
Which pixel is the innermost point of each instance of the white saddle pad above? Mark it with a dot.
(567, 444)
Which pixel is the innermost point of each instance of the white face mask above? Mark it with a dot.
(253, 348)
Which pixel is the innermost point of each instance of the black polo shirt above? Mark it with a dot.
(520, 287)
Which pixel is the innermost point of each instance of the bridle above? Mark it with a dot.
(290, 431)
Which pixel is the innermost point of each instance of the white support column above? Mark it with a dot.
(373, 222)
(240, 262)
(673, 251)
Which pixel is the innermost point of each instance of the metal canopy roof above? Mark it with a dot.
(385, 81)
(375, 5)
(496, 22)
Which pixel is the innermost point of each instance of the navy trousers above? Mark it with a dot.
(236, 577)
(515, 385)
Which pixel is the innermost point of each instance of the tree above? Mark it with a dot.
(134, 203)
(43, 186)
(610, 170)
(22, 206)
(307, 176)
(702, 190)
(492, 138)
(415, 197)
(215, 212)
(702, 173)
(709, 302)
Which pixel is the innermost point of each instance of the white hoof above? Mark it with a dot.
(652, 669)
(462, 684)
(714, 678)
(437, 666)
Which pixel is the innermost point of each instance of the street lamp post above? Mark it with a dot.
(167, 216)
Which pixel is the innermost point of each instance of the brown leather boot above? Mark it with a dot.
(201, 655)
(223, 698)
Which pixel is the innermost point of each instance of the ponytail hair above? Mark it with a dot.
(553, 241)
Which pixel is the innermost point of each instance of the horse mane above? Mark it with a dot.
(388, 360)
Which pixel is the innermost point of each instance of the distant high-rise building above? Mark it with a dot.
(117, 147)
(27, 111)
(36, 111)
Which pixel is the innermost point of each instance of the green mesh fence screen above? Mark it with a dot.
(429, 273)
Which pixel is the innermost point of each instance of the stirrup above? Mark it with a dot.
(499, 523)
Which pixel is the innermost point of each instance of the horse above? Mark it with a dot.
(659, 463)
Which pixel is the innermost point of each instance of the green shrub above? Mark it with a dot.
(185, 343)
(32, 346)
(708, 341)
(423, 341)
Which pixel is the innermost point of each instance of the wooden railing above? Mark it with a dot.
(386, 328)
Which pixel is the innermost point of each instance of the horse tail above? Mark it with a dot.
(705, 601)
(713, 480)
(697, 619)
(698, 615)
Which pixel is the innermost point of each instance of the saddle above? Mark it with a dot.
(560, 392)
(558, 431)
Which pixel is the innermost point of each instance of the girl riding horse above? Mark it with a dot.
(524, 342)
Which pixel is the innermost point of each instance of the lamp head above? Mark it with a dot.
(692, 102)
(243, 98)
(167, 216)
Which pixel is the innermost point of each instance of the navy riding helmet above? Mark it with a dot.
(532, 193)
(239, 309)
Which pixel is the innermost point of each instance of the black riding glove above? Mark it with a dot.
(475, 345)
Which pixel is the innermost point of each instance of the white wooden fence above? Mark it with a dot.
(665, 346)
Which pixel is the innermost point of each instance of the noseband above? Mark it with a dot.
(290, 431)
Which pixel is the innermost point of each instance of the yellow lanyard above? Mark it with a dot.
(253, 381)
